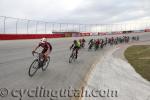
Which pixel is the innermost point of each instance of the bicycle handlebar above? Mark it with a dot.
(34, 53)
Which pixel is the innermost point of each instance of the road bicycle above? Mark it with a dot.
(72, 56)
(38, 63)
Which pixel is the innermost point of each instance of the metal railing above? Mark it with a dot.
(25, 26)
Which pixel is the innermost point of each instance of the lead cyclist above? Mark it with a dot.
(47, 48)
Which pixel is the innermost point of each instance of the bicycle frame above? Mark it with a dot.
(72, 56)
(74, 52)
(39, 58)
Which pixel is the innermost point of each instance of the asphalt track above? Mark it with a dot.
(15, 59)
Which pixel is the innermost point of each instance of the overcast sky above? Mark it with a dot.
(77, 11)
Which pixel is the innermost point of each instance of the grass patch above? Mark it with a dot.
(139, 57)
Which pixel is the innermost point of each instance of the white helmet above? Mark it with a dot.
(43, 40)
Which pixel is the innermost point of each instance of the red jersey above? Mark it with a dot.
(45, 45)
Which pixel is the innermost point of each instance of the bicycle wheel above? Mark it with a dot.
(95, 47)
(33, 68)
(71, 58)
(90, 47)
(46, 64)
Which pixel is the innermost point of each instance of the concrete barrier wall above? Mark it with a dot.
(37, 36)
(28, 36)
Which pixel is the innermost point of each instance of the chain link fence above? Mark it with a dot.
(24, 26)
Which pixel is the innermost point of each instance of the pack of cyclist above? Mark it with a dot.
(100, 43)
(92, 44)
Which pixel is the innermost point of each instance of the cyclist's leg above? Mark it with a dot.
(46, 54)
(77, 49)
(74, 49)
(43, 52)
(42, 57)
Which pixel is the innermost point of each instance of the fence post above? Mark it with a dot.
(84, 27)
(79, 27)
(28, 26)
(36, 29)
(53, 27)
(60, 27)
(4, 24)
(67, 28)
(17, 25)
(45, 28)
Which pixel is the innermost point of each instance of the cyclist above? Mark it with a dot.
(83, 42)
(80, 40)
(47, 48)
(75, 46)
(97, 43)
(91, 43)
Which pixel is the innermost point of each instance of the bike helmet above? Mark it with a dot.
(43, 40)
(75, 41)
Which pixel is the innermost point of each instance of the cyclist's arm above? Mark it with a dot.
(33, 51)
(35, 48)
(71, 46)
(89, 42)
(49, 47)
